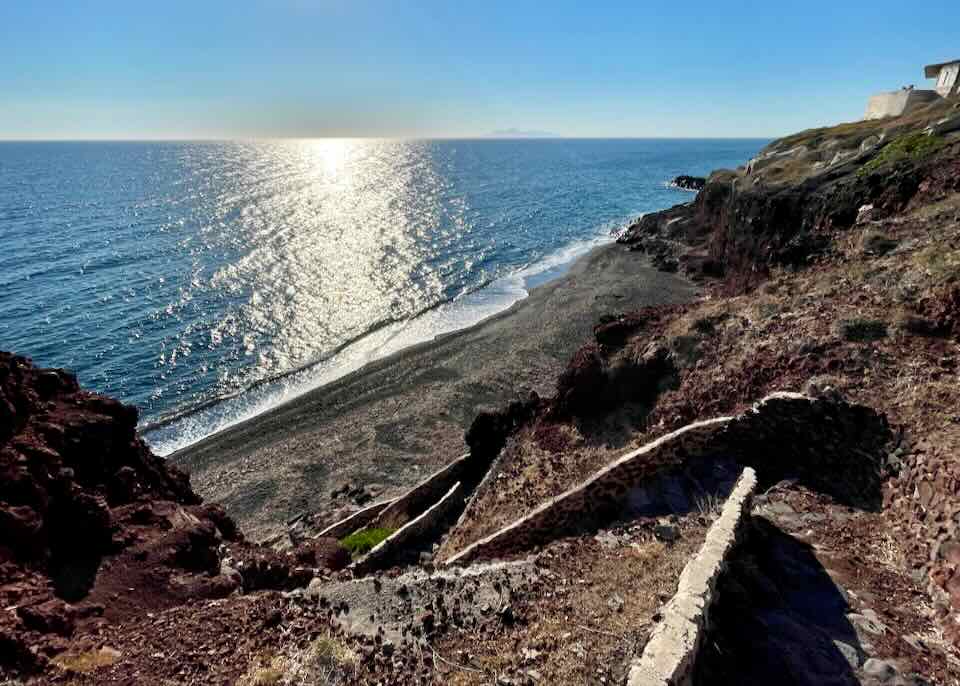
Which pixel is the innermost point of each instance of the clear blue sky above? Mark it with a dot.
(212, 68)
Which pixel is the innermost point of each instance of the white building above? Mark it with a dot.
(895, 103)
(946, 74)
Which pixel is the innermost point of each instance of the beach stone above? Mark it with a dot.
(879, 669)
(850, 654)
(668, 533)
(866, 624)
(615, 603)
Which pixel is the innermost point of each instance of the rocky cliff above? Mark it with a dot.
(782, 208)
(95, 529)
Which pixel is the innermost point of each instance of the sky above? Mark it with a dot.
(121, 69)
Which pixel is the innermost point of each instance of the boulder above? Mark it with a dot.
(53, 616)
(869, 143)
(580, 388)
(614, 330)
(944, 126)
(689, 183)
(327, 553)
(490, 428)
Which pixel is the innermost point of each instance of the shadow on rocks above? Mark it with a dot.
(779, 619)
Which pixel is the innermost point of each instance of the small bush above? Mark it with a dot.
(862, 330)
(709, 504)
(324, 662)
(705, 325)
(363, 541)
(874, 243)
(914, 146)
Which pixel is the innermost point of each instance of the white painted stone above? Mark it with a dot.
(671, 651)
(357, 520)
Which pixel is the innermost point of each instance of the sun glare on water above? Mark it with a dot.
(334, 240)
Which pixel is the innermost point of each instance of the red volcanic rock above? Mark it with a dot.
(580, 388)
(615, 331)
(738, 231)
(945, 312)
(67, 457)
(49, 617)
(266, 569)
(325, 552)
(91, 521)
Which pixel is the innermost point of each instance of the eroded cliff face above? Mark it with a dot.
(782, 209)
(95, 528)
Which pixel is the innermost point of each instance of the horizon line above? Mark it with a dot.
(227, 139)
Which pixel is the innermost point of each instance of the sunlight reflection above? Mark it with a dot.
(330, 154)
(344, 236)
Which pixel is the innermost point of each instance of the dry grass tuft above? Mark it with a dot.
(709, 504)
(87, 661)
(324, 662)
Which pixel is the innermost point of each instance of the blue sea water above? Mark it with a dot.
(206, 282)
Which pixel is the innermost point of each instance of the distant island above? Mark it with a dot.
(521, 133)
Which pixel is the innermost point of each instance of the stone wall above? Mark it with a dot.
(606, 492)
(671, 652)
(354, 522)
(895, 103)
(830, 445)
(923, 502)
(423, 495)
(412, 533)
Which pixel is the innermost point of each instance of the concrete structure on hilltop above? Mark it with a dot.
(947, 75)
(895, 103)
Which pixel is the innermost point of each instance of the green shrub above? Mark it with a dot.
(363, 541)
(912, 146)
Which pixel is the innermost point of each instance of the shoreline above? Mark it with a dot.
(392, 420)
(182, 429)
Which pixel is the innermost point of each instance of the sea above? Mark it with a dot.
(208, 282)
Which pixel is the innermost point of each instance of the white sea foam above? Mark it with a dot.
(460, 313)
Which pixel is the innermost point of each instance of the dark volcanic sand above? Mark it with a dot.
(397, 419)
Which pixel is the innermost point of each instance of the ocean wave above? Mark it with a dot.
(188, 426)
